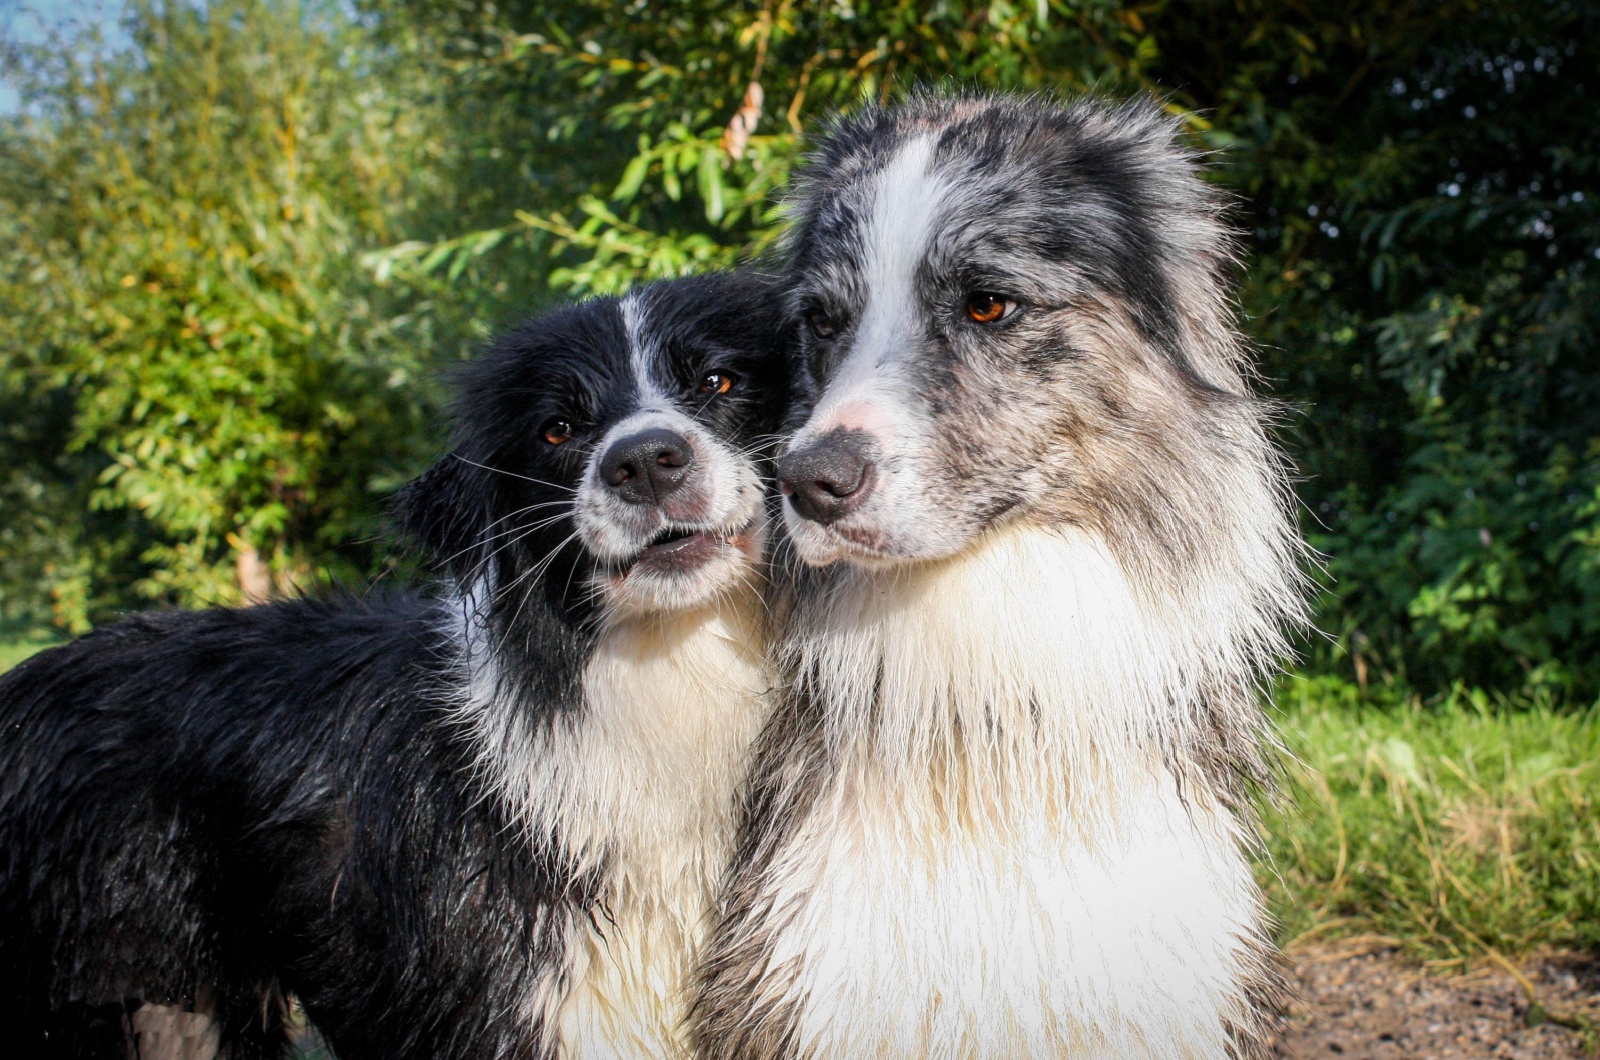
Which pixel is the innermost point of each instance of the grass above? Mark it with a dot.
(1459, 830)
(14, 651)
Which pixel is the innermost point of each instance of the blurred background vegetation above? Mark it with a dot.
(240, 239)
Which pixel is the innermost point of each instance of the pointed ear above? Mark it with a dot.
(444, 510)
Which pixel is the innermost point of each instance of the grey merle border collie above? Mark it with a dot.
(487, 826)
(1046, 559)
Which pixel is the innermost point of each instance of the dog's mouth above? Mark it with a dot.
(871, 542)
(821, 545)
(679, 549)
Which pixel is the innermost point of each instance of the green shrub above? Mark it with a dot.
(226, 254)
(205, 393)
(1418, 191)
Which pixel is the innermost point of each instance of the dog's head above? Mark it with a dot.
(1012, 309)
(610, 455)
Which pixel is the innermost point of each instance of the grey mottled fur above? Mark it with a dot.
(1117, 402)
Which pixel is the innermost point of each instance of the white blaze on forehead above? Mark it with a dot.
(642, 353)
(903, 215)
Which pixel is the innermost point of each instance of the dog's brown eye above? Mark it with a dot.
(819, 323)
(986, 308)
(718, 382)
(556, 431)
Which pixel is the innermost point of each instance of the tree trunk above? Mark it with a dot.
(255, 579)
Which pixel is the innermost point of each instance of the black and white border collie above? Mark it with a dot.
(488, 826)
(1049, 556)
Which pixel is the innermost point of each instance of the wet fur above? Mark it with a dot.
(1003, 809)
(482, 826)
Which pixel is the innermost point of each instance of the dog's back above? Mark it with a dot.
(199, 811)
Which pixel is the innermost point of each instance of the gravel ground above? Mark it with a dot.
(1375, 1006)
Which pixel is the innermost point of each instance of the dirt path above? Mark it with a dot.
(1375, 1006)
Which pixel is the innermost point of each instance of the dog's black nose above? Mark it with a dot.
(643, 468)
(828, 480)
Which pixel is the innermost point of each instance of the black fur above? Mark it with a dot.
(214, 810)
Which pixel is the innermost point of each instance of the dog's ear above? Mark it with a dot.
(444, 511)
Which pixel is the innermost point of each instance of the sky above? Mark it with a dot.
(30, 22)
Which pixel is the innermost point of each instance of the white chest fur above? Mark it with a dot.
(1001, 864)
(672, 712)
(922, 937)
(641, 782)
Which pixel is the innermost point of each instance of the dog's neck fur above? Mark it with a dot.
(1028, 661)
(637, 785)
(1007, 848)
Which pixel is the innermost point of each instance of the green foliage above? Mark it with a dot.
(200, 374)
(1417, 190)
(640, 176)
(1454, 830)
(1424, 192)
(1417, 184)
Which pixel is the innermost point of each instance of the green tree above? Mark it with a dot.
(1417, 185)
(1422, 185)
(230, 251)
(205, 395)
(650, 139)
